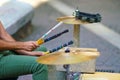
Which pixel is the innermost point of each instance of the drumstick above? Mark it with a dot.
(52, 29)
(60, 47)
(41, 40)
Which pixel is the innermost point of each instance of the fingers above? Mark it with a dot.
(37, 53)
(30, 45)
(34, 45)
(40, 54)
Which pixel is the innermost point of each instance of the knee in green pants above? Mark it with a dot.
(21, 65)
(41, 48)
(44, 75)
(40, 73)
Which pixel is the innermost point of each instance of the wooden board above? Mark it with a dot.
(101, 76)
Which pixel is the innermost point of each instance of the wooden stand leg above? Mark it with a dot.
(76, 35)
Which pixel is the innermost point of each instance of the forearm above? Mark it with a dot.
(7, 42)
(5, 45)
(4, 35)
(7, 37)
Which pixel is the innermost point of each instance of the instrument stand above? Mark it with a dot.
(71, 75)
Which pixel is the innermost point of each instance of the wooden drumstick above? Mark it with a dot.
(41, 40)
(52, 29)
(59, 47)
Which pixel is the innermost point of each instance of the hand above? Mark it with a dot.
(30, 45)
(30, 53)
(36, 53)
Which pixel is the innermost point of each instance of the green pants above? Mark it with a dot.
(13, 65)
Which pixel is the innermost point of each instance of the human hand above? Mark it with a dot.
(30, 45)
(36, 53)
(30, 53)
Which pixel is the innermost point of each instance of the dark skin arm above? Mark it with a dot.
(7, 42)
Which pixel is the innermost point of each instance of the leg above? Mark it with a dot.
(36, 76)
(41, 48)
(14, 65)
(10, 78)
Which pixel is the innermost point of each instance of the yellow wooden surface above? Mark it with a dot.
(101, 76)
(76, 35)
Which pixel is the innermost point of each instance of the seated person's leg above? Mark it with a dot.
(41, 48)
(15, 65)
(10, 78)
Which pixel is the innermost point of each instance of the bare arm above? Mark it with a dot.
(19, 47)
(7, 42)
(4, 35)
(12, 45)
(7, 45)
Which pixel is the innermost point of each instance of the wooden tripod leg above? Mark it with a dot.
(76, 35)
